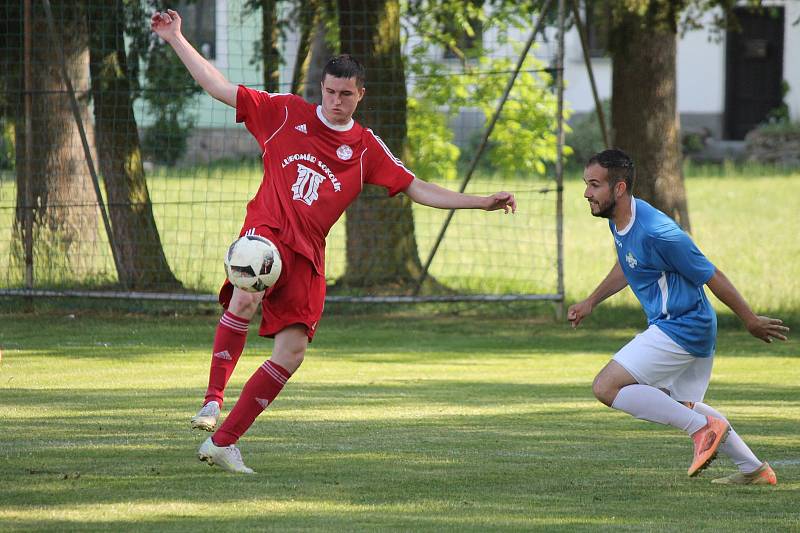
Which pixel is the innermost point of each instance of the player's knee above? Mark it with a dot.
(245, 304)
(290, 357)
(603, 391)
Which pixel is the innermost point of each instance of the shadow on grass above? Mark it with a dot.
(428, 338)
(432, 454)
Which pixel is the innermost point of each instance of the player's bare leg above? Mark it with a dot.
(258, 393)
(617, 388)
(229, 342)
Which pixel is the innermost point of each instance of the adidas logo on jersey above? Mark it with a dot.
(262, 402)
(223, 355)
(301, 128)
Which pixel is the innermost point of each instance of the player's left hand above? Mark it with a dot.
(766, 328)
(502, 200)
(166, 24)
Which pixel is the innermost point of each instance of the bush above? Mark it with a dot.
(165, 141)
(7, 148)
(586, 139)
(777, 143)
(431, 152)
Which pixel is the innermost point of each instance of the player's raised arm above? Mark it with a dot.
(432, 195)
(614, 282)
(761, 327)
(167, 25)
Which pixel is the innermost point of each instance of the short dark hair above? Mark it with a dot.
(619, 165)
(345, 66)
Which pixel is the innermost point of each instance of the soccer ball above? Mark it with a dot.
(253, 263)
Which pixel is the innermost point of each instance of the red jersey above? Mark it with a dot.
(313, 169)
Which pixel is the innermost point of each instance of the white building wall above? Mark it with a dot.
(578, 89)
(700, 74)
(791, 57)
(701, 70)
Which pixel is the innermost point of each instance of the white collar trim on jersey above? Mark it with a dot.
(627, 228)
(331, 125)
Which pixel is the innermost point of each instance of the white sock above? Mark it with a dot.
(649, 403)
(734, 447)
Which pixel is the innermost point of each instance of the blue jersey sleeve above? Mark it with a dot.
(674, 251)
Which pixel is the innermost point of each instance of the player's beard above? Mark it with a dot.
(607, 210)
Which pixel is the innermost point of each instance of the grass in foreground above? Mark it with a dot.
(448, 424)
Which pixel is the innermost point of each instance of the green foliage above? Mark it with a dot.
(168, 93)
(7, 145)
(780, 114)
(167, 87)
(585, 137)
(431, 152)
(525, 135)
(523, 140)
(166, 140)
(693, 142)
(784, 127)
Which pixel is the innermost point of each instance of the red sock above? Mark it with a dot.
(259, 391)
(228, 346)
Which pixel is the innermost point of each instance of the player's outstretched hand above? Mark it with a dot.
(766, 329)
(502, 200)
(578, 312)
(166, 24)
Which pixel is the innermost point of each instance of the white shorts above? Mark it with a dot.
(654, 359)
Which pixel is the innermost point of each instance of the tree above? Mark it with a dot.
(307, 16)
(381, 244)
(267, 50)
(324, 43)
(644, 117)
(141, 260)
(65, 214)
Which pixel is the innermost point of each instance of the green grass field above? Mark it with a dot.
(469, 423)
(457, 417)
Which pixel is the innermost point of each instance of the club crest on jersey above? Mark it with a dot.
(632, 262)
(306, 188)
(344, 152)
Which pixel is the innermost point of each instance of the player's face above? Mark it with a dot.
(340, 97)
(599, 192)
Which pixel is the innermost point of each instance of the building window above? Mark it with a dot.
(200, 25)
(597, 24)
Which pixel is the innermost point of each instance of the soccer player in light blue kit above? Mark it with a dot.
(663, 373)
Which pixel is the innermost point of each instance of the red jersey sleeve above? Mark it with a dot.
(263, 113)
(383, 168)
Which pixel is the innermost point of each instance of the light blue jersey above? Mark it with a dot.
(666, 272)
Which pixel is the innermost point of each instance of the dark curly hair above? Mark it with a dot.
(619, 165)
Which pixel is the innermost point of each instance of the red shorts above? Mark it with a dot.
(298, 296)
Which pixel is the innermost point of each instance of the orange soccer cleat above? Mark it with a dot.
(765, 475)
(706, 443)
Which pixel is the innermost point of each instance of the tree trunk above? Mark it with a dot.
(270, 55)
(381, 244)
(308, 15)
(142, 264)
(321, 51)
(643, 106)
(65, 214)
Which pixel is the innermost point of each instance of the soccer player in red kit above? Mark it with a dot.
(316, 160)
